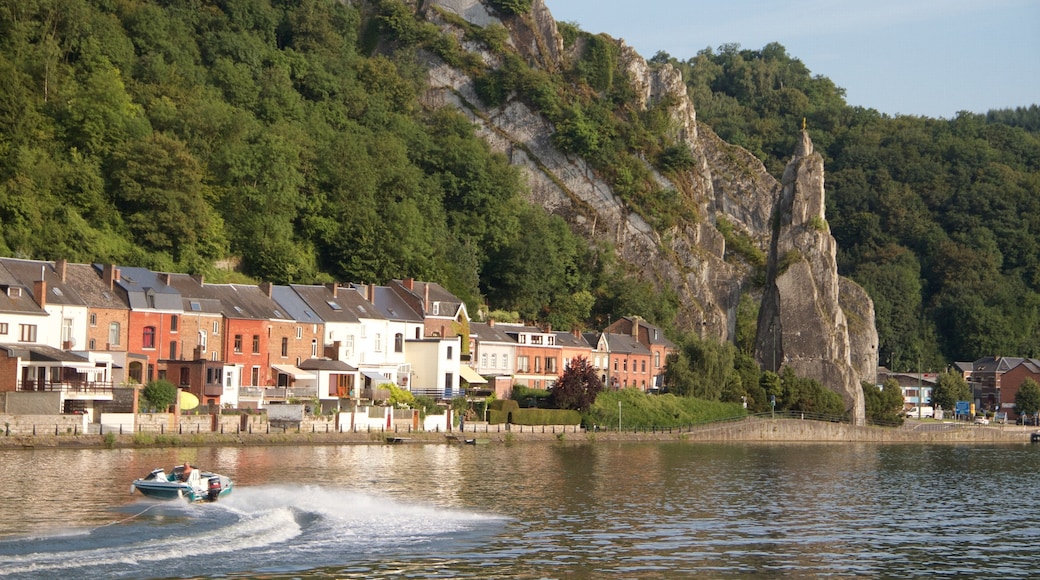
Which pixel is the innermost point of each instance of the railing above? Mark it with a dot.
(84, 387)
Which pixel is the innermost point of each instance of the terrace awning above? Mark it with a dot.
(294, 372)
(471, 376)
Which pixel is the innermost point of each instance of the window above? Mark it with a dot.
(398, 342)
(314, 347)
(521, 364)
(624, 365)
(449, 381)
(254, 376)
(494, 362)
(537, 364)
(195, 306)
(148, 337)
(436, 308)
(173, 350)
(615, 365)
(657, 360)
(238, 344)
(186, 376)
(505, 361)
(450, 353)
(113, 333)
(379, 342)
(642, 366)
(256, 344)
(3, 328)
(202, 340)
(173, 323)
(92, 344)
(299, 332)
(216, 328)
(285, 346)
(483, 360)
(93, 318)
(550, 364)
(66, 331)
(536, 339)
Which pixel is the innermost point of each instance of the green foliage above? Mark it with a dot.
(528, 397)
(641, 410)
(578, 386)
(1027, 399)
(511, 6)
(399, 398)
(808, 395)
(546, 417)
(703, 369)
(932, 216)
(740, 244)
(159, 394)
(950, 387)
(884, 405)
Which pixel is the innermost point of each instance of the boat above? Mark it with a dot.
(477, 441)
(183, 482)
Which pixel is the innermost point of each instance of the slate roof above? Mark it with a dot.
(326, 364)
(27, 272)
(347, 306)
(87, 281)
(245, 301)
(196, 297)
(485, 332)
(294, 306)
(390, 304)
(568, 340)
(146, 291)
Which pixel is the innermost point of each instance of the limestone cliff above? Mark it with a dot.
(804, 302)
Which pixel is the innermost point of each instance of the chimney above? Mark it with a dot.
(200, 278)
(61, 266)
(426, 297)
(409, 283)
(371, 293)
(266, 287)
(333, 287)
(164, 277)
(576, 332)
(491, 322)
(40, 292)
(635, 328)
(110, 275)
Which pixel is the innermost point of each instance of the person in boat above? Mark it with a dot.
(186, 472)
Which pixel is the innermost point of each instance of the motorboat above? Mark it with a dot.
(183, 482)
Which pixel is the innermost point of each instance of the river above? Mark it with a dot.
(529, 510)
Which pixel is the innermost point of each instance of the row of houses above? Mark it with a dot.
(994, 382)
(85, 331)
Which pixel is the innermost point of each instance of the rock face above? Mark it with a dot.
(801, 322)
(806, 302)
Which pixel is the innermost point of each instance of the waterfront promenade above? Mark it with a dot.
(750, 429)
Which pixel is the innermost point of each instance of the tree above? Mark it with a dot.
(159, 394)
(578, 386)
(949, 388)
(885, 404)
(1027, 399)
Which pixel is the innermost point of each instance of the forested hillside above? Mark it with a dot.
(285, 141)
(278, 141)
(939, 219)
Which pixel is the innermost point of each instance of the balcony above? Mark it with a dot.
(85, 389)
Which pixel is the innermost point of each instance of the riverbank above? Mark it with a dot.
(751, 429)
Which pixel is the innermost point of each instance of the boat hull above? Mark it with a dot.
(202, 486)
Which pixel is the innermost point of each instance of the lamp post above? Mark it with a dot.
(619, 416)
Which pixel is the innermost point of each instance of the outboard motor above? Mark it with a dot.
(214, 488)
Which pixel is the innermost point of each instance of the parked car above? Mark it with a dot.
(981, 420)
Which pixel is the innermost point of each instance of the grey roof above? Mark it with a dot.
(87, 281)
(196, 297)
(27, 272)
(390, 303)
(569, 340)
(487, 333)
(293, 305)
(347, 305)
(245, 301)
(624, 343)
(417, 295)
(43, 353)
(15, 297)
(326, 364)
(145, 290)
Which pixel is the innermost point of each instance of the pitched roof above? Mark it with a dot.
(145, 290)
(485, 332)
(293, 305)
(87, 281)
(344, 304)
(27, 272)
(568, 339)
(391, 304)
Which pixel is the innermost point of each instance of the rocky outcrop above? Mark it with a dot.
(823, 326)
(801, 322)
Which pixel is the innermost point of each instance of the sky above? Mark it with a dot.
(930, 58)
